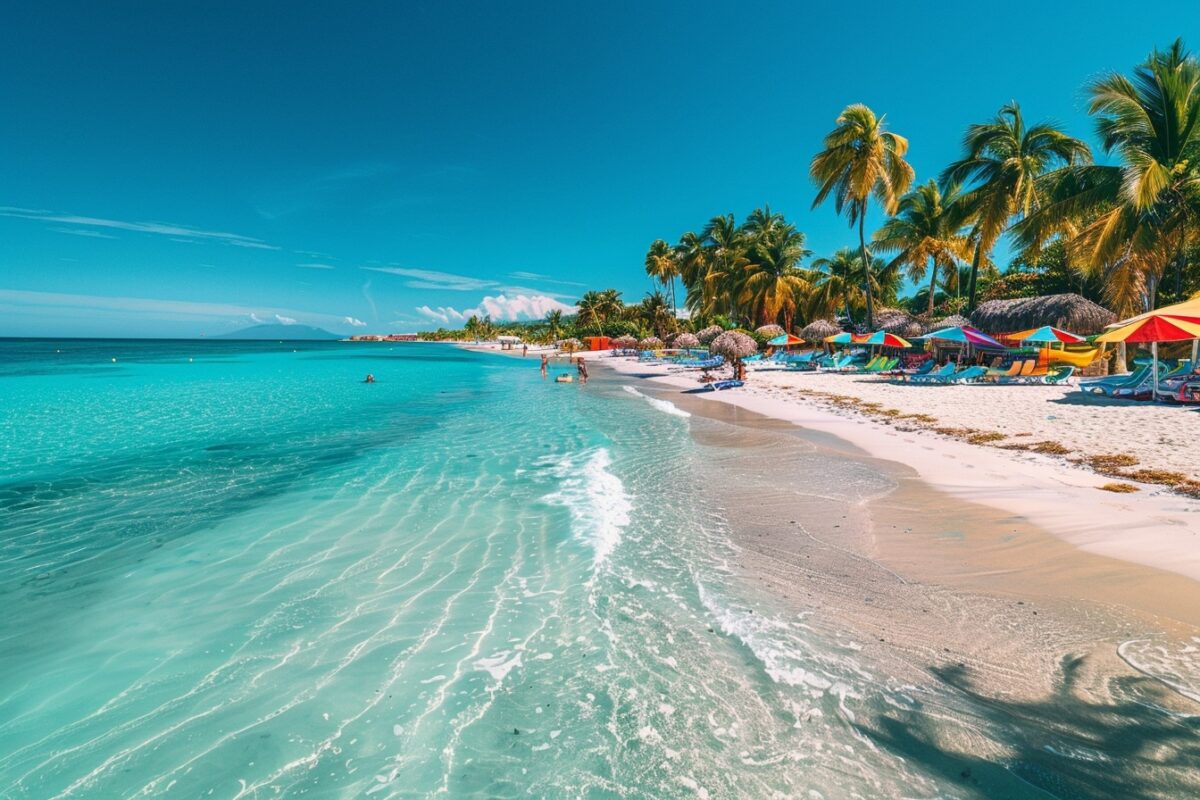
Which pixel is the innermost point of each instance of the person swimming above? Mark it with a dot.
(369, 379)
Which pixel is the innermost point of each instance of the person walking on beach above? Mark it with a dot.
(582, 371)
(545, 364)
(524, 350)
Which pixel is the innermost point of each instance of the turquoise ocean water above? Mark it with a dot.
(233, 570)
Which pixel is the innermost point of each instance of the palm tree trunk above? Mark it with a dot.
(862, 246)
(973, 278)
(932, 284)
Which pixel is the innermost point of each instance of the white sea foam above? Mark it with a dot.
(666, 406)
(595, 497)
(769, 639)
(1172, 665)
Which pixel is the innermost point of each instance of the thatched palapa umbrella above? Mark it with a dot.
(952, 321)
(770, 331)
(898, 321)
(1070, 312)
(571, 345)
(735, 346)
(817, 330)
(708, 334)
(625, 342)
(650, 343)
(686, 341)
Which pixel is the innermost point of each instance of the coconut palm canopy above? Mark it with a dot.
(686, 341)
(651, 343)
(708, 334)
(1070, 312)
(818, 330)
(770, 331)
(733, 345)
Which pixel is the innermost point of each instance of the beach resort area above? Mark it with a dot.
(585, 401)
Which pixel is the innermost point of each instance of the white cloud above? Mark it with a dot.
(282, 320)
(537, 276)
(500, 308)
(315, 266)
(84, 232)
(435, 280)
(357, 323)
(158, 228)
(254, 318)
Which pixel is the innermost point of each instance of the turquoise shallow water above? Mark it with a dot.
(234, 570)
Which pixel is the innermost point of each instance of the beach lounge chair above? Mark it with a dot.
(935, 376)
(1108, 385)
(1013, 370)
(968, 375)
(1059, 375)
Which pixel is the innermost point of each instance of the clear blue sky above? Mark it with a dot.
(171, 168)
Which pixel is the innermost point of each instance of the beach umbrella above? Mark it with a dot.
(785, 340)
(845, 337)
(818, 330)
(965, 334)
(1155, 327)
(1048, 334)
(1188, 310)
(885, 339)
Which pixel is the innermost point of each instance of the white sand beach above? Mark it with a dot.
(1153, 526)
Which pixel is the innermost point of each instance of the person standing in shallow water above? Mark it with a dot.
(524, 350)
(582, 370)
(545, 364)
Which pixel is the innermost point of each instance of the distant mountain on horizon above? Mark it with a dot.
(280, 332)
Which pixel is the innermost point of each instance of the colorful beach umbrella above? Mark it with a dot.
(1155, 327)
(1188, 310)
(845, 337)
(885, 339)
(965, 334)
(1048, 334)
(785, 340)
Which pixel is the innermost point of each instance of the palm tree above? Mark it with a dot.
(597, 307)
(773, 282)
(926, 235)
(725, 244)
(591, 311)
(1137, 217)
(861, 160)
(656, 314)
(554, 324)
(838, 284)
(662, 265)
(1002, 163)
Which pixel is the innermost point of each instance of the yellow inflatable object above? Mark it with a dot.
(1076, 358)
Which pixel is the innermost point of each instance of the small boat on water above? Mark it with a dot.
(564, 378)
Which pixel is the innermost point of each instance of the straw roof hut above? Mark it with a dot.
(1069, 312)
(651, 343)
(770, 331)
(625, 342)
(898, 321)
(708, 334)
(952, 321)
(686, 341)
(817, 330)
(733, 345)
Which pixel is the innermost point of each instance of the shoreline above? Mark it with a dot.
(1152, 528)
